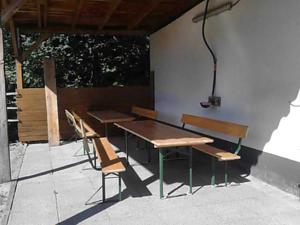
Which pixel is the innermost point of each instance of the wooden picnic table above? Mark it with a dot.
(110, 116)
(163, 136)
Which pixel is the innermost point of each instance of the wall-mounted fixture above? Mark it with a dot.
(212, 100)
(214, 11)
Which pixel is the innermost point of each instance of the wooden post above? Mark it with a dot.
(19, 72)
(5, 174)
(51, 102)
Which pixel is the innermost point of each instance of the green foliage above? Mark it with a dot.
(85, 60)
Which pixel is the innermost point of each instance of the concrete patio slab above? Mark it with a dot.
(66, 191)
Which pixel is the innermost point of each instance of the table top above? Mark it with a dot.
(110, 116)
(161, 135)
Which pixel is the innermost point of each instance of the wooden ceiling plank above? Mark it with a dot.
(114, 5)
(149, 8)
(8, 12)
(79, 4)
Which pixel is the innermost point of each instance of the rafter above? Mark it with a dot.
(79, 4)
(39, 13)
(8, 12)
(143, 14)
(114, 5)
(45, 12)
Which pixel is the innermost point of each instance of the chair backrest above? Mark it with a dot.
(70, 118)
(143, 112)
(82, 131)
(228, 128)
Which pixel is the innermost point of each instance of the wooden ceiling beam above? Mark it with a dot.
(45, 12)
(77, 30)
(149, 8)
(113, 6)
(8, 11)
(42, 13)
(39, 13)
(78, 7)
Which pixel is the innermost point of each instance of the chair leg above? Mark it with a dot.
(213, 167)
(120, 187)
(226, 173)
(103, 187)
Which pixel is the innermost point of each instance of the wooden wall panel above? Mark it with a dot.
(84, 99)
(33, 116)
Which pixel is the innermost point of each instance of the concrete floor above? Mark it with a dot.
(56, 186)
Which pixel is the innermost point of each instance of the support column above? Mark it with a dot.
(51, 102)
(5, 174)
(19, 73)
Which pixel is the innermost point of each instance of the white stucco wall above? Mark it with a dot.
(258, 47)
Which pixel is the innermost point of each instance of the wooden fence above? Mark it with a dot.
(32, 113)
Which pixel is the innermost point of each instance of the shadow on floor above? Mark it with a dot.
(175, 172)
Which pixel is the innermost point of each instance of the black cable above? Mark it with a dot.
(209, 48)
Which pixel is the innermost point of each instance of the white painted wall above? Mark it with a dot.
(258, 47)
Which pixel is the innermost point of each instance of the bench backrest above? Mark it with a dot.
(74, 121)
(70, 118)
(143, 112)
(82, 131)
(228, 128)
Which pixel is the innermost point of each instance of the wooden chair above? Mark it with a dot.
(227, 128)
(72, 122)
(144, 113)
(110, 163)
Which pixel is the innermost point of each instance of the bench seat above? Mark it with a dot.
(228, 128)
(109, 160)
(220, 154)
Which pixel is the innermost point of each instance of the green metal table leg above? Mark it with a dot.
(126, 147)
(120, 188)
(161, 173)
(226, 173)
(191, 170)
(213, 167)
(103, 187)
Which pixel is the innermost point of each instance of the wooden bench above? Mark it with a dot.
(107, 157)
(144, 113)
(227, 128)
